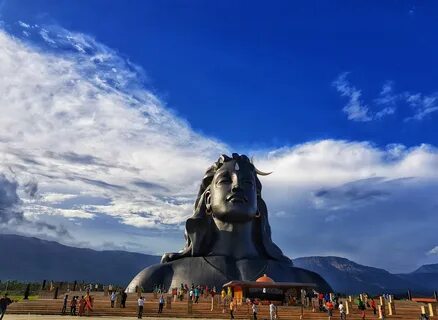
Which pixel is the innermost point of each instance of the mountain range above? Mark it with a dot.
(33, 259)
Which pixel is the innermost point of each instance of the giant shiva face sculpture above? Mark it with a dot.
(228, 237)
(230, 192)
(232, 196)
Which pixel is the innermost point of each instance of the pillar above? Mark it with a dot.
(382, 301)
(381, 309)
(55, 294)
(391, 308)
(350, 298)
(423, 310)
(432, 309)
(347, 306)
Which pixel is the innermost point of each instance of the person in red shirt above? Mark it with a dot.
(373, 305)
(81, 306)
(320, 298)
(329, 306)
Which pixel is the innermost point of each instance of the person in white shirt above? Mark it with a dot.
(113, 298)
(255, 310)
(341, 311)
(140, 303)
(272, 311)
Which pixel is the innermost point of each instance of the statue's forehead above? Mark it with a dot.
(234, 166)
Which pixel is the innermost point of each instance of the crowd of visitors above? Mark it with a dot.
(311, 299)
(78, 306)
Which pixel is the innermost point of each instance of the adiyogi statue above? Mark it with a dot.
(228, 237)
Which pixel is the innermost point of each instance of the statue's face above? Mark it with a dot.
(233, 195)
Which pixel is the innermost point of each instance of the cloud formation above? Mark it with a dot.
(433, 251)
(78, 121)
(386, 104)
(355, 200)
(355, 108)
(94, 151)
(12, 216)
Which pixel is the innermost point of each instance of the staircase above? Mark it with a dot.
(407, 310)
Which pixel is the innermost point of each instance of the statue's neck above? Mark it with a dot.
(234, 240)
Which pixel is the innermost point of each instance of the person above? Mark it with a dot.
(362, 308)
(272, 310)
(123, 302)
(424, 316)
(383, 313)
(81, 304)
(64, 304)
(4, 303)
(160, 304)
(341, 308)
(196, 294)
(113, 298)
(309, 298)
(373, 306)
(329, 306)
(88, 302)
(73, 306)
(140, 303)
(320, 299)
(227, 235)
(255, 310)
(191, 294)
(232, 308)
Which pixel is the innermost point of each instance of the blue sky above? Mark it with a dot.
(338, 98)
(266, 64)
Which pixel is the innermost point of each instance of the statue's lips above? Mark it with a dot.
(234, 198)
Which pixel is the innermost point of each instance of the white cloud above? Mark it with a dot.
(355, 109)
(355, 197)
(433, 251)
(422, 105)
(78, 129)
(386, 103)
(23, 24)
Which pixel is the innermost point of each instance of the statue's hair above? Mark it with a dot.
(199, 233)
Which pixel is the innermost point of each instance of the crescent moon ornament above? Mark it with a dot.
(261, 173)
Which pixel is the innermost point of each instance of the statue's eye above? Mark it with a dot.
(224, 179)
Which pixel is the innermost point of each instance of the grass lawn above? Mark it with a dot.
(20, 297)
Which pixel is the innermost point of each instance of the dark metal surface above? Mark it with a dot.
(228, 237)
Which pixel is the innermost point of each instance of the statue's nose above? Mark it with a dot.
(236, 187)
